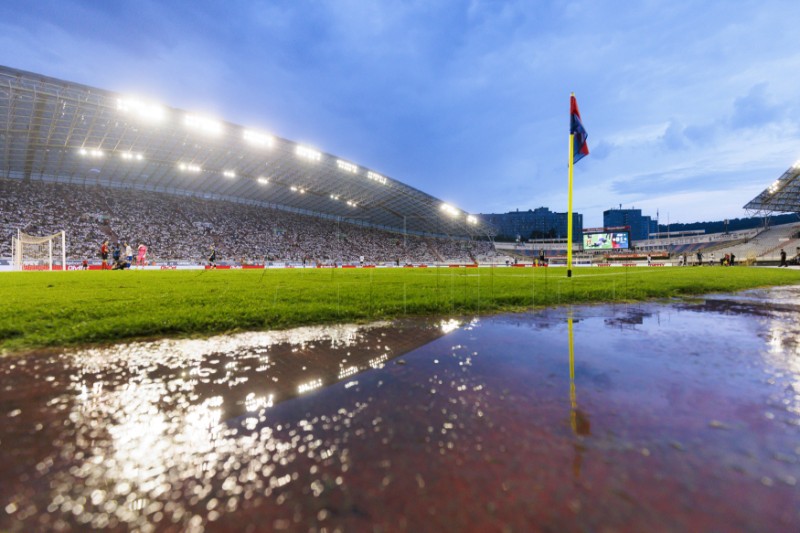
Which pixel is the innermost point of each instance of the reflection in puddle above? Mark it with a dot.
(684, 415)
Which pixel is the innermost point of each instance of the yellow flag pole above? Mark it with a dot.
(569, 204)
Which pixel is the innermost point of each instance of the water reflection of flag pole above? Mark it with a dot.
(578, 420)
(572, 397)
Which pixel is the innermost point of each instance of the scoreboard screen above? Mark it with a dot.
(605, 241)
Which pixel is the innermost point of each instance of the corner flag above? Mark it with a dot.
(580, 148)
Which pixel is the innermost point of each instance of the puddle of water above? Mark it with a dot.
(685, 416)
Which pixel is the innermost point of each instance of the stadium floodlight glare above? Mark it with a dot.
(472, 219)
(308, 153)
(131, 156)
(263, 181)
(347, 167)
(334, 196)
(450, 210)
(376, 177)
(352, 203)
(142, 110)
(229, 174)
(774, 187)
(258, 138)
(96, 153)
(203, 124)
(293, 188)
(189, 167)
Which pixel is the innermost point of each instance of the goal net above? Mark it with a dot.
(39, 253)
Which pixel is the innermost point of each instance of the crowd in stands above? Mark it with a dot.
(180, 228)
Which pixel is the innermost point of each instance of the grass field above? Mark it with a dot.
(54, 309)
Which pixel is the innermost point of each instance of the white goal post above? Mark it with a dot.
(39, 253)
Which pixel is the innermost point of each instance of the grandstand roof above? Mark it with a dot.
(55, 130)
(783, 196)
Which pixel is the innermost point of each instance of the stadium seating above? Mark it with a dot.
(182, 229)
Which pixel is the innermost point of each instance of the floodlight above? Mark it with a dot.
(308, 153)
(472, 219)
(203, 124)
(293, 188)
(189, 167)
(131, 156)
(450, 210)
(376, 177)
(229, 174)
(142, 110)
(258, 138)
(347, 167)
(95, 153)
(263, 181)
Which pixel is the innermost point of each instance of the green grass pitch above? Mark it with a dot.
(59, 309)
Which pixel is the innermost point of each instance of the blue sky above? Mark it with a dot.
(691, 107)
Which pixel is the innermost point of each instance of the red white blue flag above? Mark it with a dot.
(580, 148)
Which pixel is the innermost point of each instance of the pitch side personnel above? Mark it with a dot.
(104, 254)
(212, 258)
(140, 258)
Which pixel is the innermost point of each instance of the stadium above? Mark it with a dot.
(367, 358)
(100, 166)
(104, 166)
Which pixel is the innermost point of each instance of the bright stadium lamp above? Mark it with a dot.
(472, 219)
(203, 124)
(229, 174)
(257, 138)
(376, 177)
(263, 181)
(449, 209)
(94, 152)
(347, 167)
(143, 110)
(186, 167)
(308, 153)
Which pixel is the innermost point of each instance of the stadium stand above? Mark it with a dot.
(767, 245)
(182, 229)
(57, 131)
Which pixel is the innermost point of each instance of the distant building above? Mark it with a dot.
(539, 223)
(640, 226)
